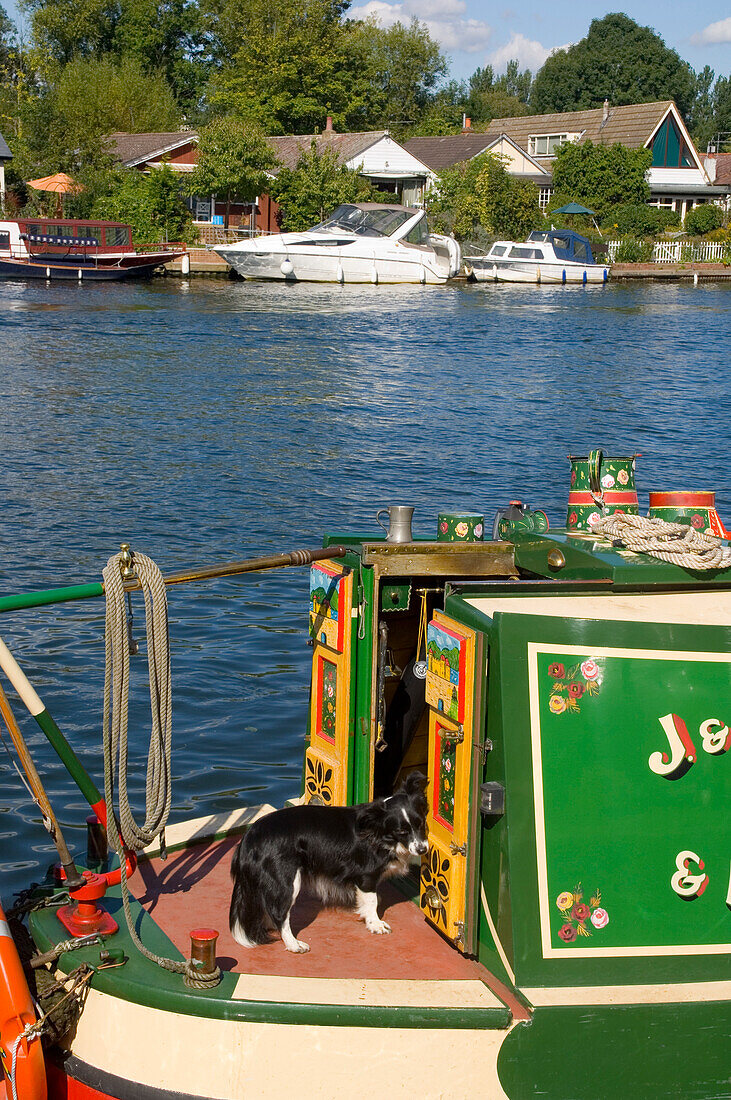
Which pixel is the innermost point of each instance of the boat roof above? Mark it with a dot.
(62, 221)
(564, 234)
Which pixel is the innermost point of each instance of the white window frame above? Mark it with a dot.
(544, 197)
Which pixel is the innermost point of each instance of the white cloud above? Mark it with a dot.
(713, 33)
(529, 53)
(444, 19)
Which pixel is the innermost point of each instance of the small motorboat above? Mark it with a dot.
(357, 243)
(551, 256)
(60, 248)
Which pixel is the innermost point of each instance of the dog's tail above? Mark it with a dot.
(247, 916)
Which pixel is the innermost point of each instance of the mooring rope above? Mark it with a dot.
(126, 834)
(677, 543)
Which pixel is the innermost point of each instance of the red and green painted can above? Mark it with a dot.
(600, 485)
(696, 508)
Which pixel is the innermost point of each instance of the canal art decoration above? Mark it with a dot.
(327, 689)
(319, 777)
(445, 680)
(446, 777)
(326, 592)
(580, 917)
(571, 683)
(435, 875)
(639, 742)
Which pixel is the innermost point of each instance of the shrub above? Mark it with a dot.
(703, 219)
(633, 251)
(639, 219)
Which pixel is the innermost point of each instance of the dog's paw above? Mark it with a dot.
(378, 927)
(299, 947)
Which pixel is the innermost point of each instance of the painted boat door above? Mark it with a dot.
(454, 685)
(327, 765)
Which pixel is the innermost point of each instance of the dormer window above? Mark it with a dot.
(669, 150)
(545, 145)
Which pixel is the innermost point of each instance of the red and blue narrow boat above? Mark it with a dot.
(63, 248)
(568, 934)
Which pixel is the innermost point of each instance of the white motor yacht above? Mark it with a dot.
(358, 243)
(551, 256)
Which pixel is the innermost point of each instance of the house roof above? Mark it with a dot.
(5, 153)
(632, 125)
(346, 146)
(439, 153)
(131, 149)
(723, 169)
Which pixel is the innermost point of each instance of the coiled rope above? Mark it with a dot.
(676, 543)
(125, 833)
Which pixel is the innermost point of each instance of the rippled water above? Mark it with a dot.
(212, 421)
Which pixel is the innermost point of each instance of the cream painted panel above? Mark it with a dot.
(255, 1060)
(382, 993)
(697, 608)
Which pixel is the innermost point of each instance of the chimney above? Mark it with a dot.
(605, 112)
(466, 124)
(329, 123)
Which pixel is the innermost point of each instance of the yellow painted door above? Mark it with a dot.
(326, 758)
(453, 693)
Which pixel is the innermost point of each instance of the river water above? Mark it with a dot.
(208, 421)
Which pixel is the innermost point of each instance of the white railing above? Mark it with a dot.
(675, 252)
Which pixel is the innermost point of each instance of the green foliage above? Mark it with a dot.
(600, 176)
(318, 183)
(634, 251)
(234, 160)
(703, 219)
(151, 204)
(639, 220)
(505, 96)
(481, 194)
(618, 60)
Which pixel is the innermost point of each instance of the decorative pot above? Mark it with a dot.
(599, 486)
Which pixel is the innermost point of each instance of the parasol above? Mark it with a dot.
(59, 183)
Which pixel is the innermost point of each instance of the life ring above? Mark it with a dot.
(22, 1057)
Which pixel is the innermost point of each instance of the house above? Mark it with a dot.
(678, 177)
(5, 156)
(444, 152)
(374, 154)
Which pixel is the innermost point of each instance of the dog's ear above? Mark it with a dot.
(415, 783)
(369, 820)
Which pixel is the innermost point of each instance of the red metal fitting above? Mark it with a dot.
(83, 916)
(203, 948)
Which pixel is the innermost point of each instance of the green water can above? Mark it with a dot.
(460, 527)
(600, 485)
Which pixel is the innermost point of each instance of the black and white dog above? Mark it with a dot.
(342, 852)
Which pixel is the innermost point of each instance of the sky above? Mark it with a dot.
(473, 33)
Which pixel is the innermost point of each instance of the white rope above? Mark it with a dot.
(677, 543)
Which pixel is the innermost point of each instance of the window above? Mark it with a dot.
(116, 235)
(669, 150)
(545, 145)
(544, 197)
(4, 240)
(498, 250)
(419, 234)
(525, 254)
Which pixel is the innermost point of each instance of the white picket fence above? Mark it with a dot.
(675, 252)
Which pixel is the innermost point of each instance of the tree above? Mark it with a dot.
(62, 30)
(317, 184)
(481, 194)
(234, 159)
(151, 204)
(617, 60)
(600, 176)
(503, 97)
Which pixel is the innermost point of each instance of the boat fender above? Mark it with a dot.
(340, 274)
(287, 268)
(584, 279)
(563, 276)
(422, 274)
(494, 272)
(538, 274)
(374, 276)
(606, 274)
(22, 1055)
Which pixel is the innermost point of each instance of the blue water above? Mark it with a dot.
(210, 421)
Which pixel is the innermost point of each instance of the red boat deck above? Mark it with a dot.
(192, 889)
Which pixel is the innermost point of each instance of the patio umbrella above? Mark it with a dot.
(59, 183)
(573, 208)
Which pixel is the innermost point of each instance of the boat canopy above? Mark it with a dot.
(567, 244)
(367, 220)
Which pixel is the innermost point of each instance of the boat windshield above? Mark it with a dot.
(380, 222)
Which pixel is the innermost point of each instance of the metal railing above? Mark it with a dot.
(676, 252)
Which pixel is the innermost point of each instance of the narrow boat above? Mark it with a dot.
(59, 248)
(358, 243)
(568, 933)
(551, 256)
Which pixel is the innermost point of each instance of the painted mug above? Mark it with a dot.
(599, 486)
(399, 522)
(697, 508)
(460, 527)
